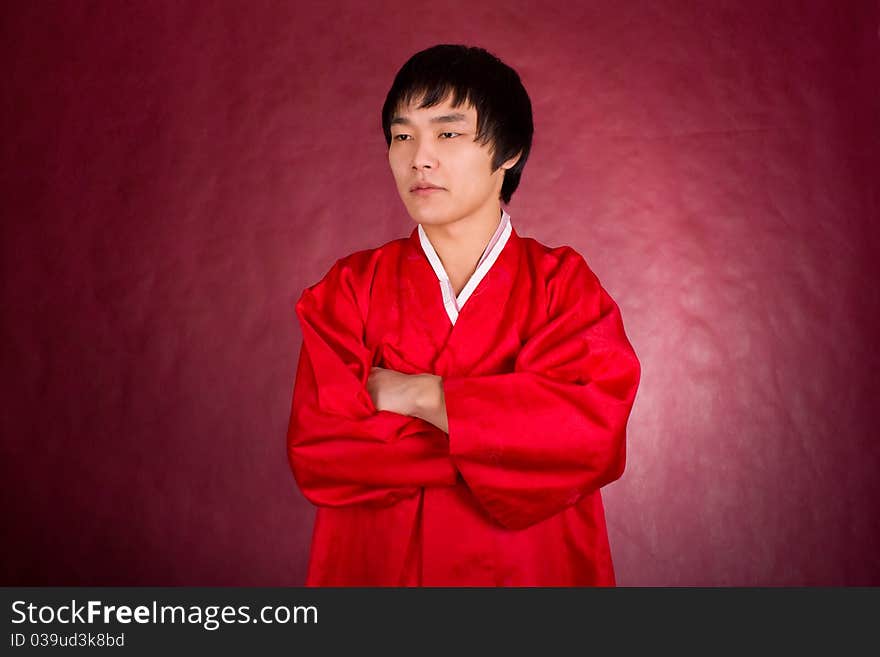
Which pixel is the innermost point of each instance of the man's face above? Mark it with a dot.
(435, 146)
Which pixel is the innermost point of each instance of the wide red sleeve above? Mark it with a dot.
(532, 442)
(341, 449)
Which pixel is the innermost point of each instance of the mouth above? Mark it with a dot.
(424, 189)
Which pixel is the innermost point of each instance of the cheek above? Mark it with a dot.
(398, 169)
(476, 174)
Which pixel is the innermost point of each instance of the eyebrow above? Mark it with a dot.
(458, 117)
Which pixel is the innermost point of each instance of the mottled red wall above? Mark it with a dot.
(175, 173)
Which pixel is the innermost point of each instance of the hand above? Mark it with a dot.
(417, 395)
(393, 391)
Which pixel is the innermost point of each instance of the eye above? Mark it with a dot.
(400, 137)
(454, 134)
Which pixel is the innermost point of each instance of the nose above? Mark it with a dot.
(424, 156)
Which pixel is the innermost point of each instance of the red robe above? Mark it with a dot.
(539, 379)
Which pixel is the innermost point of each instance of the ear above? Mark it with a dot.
(512, 161)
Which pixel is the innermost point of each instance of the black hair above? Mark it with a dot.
(472, 76)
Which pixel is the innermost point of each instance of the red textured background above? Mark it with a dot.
(174, 174)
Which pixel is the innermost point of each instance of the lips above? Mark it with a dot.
(423, 186)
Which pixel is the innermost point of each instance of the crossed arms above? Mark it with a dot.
(527, 443)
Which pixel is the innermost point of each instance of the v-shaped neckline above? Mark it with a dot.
(496, 285)
(452, 303)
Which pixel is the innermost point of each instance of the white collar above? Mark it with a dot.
(452, 303)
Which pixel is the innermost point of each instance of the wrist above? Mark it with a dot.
(428, 394)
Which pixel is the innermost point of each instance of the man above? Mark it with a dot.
(459, 436)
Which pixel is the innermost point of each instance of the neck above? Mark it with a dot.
(460, 244)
